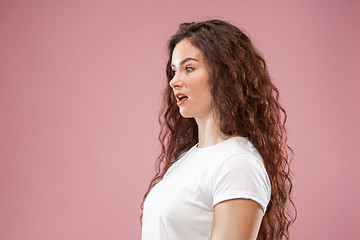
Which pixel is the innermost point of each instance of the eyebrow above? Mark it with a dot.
(185, 60)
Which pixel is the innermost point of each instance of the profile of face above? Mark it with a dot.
(191, 79)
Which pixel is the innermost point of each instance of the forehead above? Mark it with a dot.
(185, 49)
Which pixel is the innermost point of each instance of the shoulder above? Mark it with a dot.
(242, 153)
(237, 145)
(241, 175)
(242, 167)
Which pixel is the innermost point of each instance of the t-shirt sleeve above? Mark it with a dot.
(241, 176)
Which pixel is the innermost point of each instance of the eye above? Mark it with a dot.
(189, 69)
(173, 71)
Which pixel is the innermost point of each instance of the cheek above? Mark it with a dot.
(200, 87)
(204, 95)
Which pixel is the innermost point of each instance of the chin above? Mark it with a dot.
(184, 114)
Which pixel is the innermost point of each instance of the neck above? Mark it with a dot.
(209, 132)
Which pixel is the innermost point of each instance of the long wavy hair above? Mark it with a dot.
(247, 103)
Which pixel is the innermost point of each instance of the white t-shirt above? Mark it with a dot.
(180, 206)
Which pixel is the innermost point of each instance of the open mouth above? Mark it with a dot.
(181, 98)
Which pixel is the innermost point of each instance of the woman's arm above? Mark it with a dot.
(236, 219)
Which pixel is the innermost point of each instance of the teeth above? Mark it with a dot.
(180, 96)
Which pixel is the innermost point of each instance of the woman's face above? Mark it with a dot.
(192, 80)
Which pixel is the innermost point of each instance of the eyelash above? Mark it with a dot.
(187, 70)
(192, 69)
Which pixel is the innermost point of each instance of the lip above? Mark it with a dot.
(177, 95)
(181, 101)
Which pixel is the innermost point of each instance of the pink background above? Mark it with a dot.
(80, 85)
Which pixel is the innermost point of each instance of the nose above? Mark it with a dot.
(175, 81)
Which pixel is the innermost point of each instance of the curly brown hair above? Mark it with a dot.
(247, 103)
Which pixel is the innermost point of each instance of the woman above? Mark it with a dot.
(223, 172)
